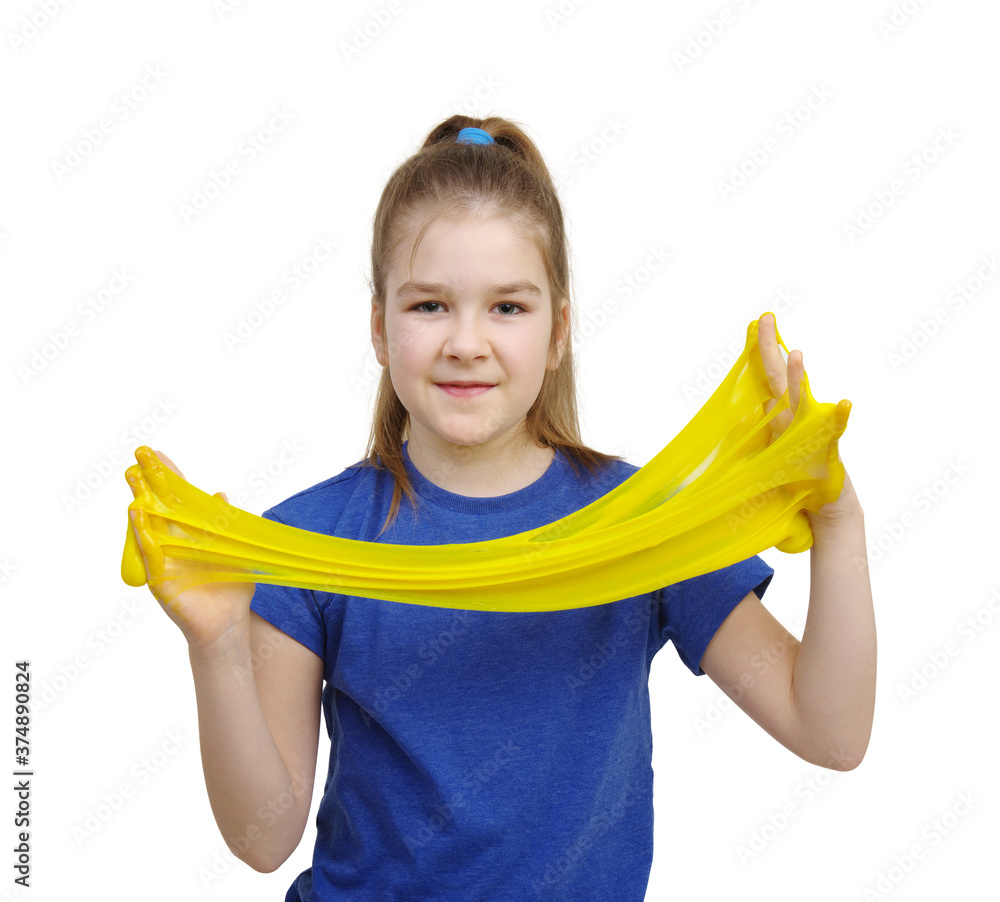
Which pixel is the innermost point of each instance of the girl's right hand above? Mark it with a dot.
(214, 617)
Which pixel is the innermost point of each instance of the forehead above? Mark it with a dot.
(468, 247)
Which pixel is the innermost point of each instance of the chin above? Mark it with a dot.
(464, 441)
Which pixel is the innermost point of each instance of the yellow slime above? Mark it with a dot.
(720, 492)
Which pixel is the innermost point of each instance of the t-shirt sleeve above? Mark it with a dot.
(292, 610)
(692, 610)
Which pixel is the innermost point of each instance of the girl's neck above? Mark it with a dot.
(480, 471)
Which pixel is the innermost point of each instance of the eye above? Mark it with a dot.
(511, 308)
(421, 307)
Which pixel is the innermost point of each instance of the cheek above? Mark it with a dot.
(397, 339)
(543, 353)
(410, 347)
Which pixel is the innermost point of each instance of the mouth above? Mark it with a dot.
(465, 389)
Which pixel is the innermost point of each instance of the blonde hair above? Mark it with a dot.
(445, 178)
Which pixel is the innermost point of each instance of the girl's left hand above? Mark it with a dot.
(779, 377)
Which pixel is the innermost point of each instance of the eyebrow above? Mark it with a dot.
(409, 289)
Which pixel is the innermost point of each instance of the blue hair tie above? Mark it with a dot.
(473, 136)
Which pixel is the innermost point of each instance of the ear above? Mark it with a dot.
(378, 334)
(562, 336)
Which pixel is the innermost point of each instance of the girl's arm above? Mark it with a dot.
(817, 696)
(258, 695)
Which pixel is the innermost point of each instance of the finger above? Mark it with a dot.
(841, 413)
(796, 368)
(169, 463)
(770, 355)
(133, 561)
(133, 476)
(152, 495)
(223, 496)
(154, 472)
(152, 556)
(133, 565)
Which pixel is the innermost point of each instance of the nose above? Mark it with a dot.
(467, 337)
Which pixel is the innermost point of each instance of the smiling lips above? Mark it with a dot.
(464, 389)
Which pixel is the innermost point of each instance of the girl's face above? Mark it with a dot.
(466, 333)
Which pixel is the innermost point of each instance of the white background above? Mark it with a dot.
(645, 139)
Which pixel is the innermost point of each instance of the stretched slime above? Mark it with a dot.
(721, 491)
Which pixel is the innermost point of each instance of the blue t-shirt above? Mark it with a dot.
(480, 755)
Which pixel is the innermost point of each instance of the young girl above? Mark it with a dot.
(477, 755)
